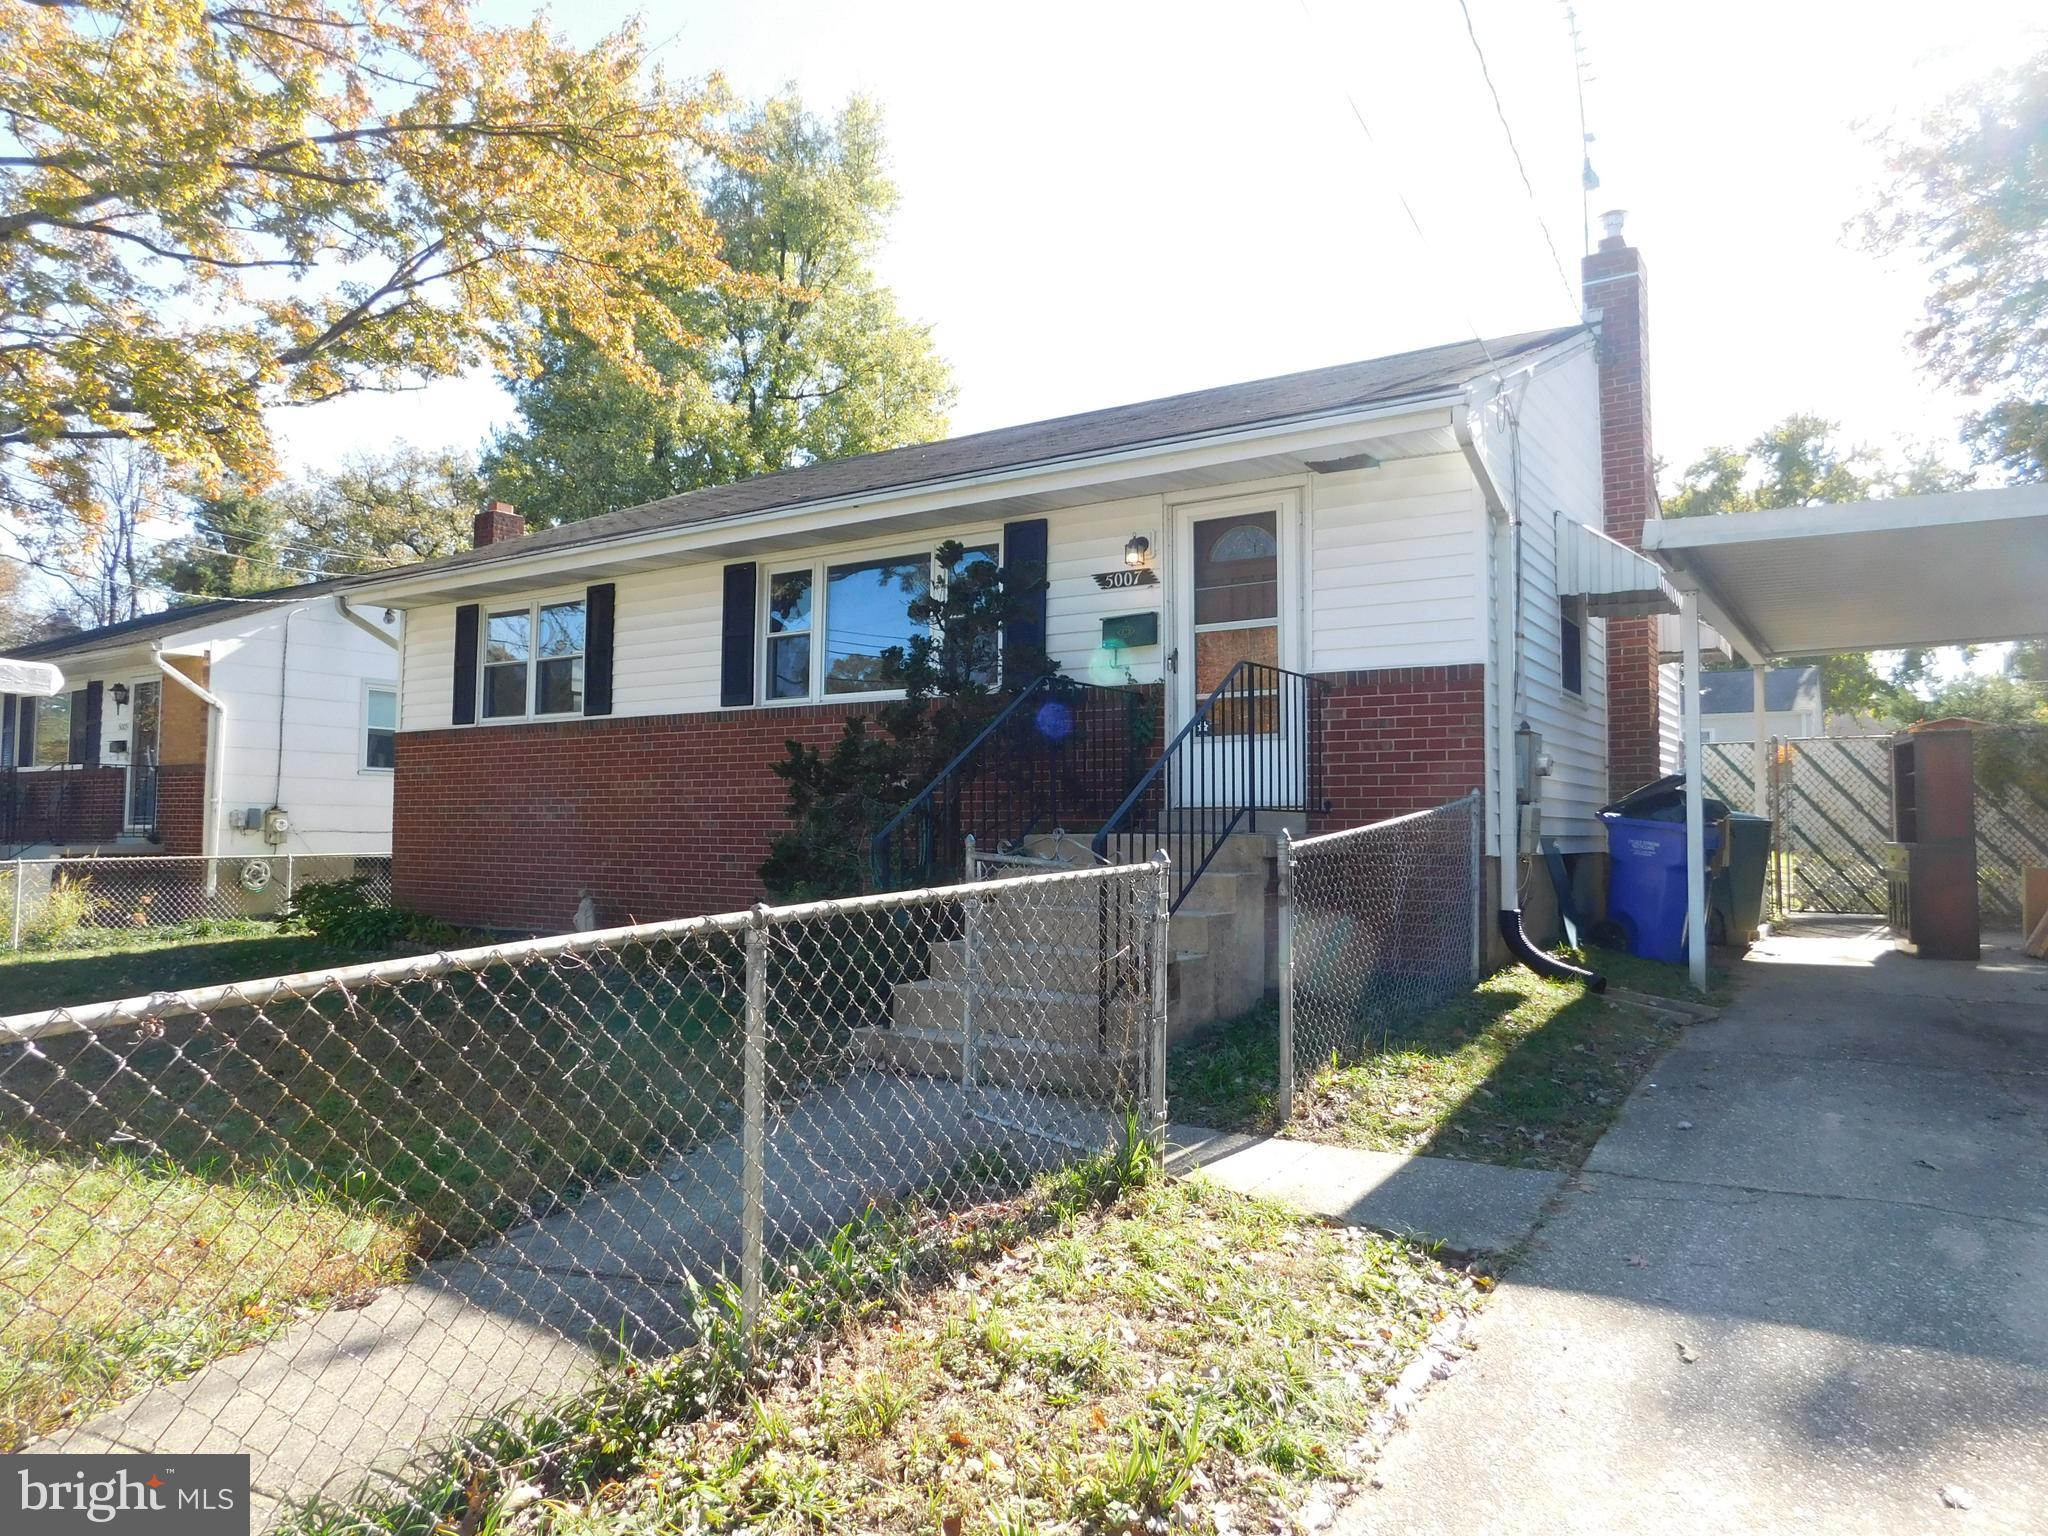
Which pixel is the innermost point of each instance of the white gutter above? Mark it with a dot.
(31, 679)
(216, 750)
(377, 631)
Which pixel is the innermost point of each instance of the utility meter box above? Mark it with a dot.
(276, 826)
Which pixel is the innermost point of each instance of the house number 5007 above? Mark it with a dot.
(1111, 581)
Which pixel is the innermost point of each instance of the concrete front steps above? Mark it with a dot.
(1039, 1021)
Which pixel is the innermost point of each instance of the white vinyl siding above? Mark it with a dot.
(1556, 465)
(1397, 567)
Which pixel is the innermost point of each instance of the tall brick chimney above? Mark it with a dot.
(1617, 304)
(496, 523)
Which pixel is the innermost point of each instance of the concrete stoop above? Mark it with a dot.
(1038, 1019)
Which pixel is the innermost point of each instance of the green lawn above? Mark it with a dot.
(97, 964)
(1157, 1356)
(167, 1195)
(1520, 1071)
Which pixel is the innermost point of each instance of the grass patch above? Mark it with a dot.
(1095, 1354)
(101, 963)
(198, 1182)
(1520, 1071)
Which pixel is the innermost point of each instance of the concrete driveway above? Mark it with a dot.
(1802, 1285)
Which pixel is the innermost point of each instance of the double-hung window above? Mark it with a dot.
(50, 728)
(533, 659)
(841, 628)
(380, 728)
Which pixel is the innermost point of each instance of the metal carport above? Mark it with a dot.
(1959, 568)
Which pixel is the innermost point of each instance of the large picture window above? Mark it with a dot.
(829, 627)
(533, 660)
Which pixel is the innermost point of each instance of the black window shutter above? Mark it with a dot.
(90, 756)
(25, 733)
(464, 709)
(736, 650)
(7, 707)
(1024, 564)
(599, 612)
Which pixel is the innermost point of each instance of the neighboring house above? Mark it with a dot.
(594, 709)
(1792, 706)
(179, 732)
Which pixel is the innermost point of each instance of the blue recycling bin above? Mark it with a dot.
(1646, 883)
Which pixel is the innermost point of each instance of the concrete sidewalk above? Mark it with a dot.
(1471, 1208)
(1802, 1285)
(353, 1392)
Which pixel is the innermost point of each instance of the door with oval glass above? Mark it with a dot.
(1235, 573)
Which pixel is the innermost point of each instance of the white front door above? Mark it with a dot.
(1235, 605)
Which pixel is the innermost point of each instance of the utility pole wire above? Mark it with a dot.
(1394, 181)
(1499, 111)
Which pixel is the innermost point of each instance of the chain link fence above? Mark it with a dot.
(58, 904)
(455, 1207)
(1378, 925)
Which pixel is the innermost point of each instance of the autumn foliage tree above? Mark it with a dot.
(210, 210)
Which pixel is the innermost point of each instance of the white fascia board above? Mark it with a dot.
(1107, 470)
(1893, 514)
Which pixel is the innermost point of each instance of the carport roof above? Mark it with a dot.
(1952, 569)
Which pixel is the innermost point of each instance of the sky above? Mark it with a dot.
(1105, 202)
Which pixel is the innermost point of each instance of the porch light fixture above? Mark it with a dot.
(1137, 550)
(120, 692)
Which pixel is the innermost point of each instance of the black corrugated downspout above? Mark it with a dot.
(1542, 962)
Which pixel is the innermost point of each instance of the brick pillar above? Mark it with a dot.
(1617, 304)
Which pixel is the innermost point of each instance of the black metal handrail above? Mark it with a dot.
(1254, 744)
(1061, 752)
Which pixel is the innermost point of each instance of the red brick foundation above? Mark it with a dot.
(1400, 739)
(656, 816)
(180, 807)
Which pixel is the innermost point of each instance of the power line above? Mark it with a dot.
(1499, 111)
(1394, 181)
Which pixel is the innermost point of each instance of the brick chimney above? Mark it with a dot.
(498, 522)
(1617, 305)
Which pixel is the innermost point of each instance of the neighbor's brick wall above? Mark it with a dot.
(72, 805)
(1616, 284)
(1400, 739)
(180, 806)
(656, 816)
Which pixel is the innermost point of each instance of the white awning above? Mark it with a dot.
(1616, 581)
(1959, 568)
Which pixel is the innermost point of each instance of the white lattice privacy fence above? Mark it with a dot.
(78, 902)
(1831, 800)
(331, 1220)
(1378, 925)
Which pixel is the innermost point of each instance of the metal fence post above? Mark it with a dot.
(1474, 906)
(288, 886)
(1155, 1044)
(20, 897)
(1286, 941)
(970, 978)
(754, 1130)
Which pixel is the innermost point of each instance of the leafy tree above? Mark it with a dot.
(94, 545)
(210, 210)
(1969, 196)
(376, 511)
(811, 361)
(839, 799)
